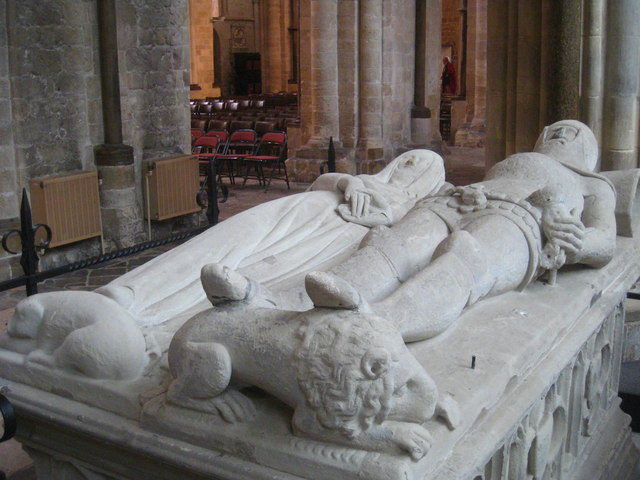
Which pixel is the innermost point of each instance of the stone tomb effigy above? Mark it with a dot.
(542, 398)
(518, 379)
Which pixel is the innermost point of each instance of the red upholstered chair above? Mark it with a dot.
(204, 109)
(244, 104)
(270, 153)
(222, 134)
(240, 125)
(239, 144)
(218, 124)
(198, 123)
(196, 133)
(279, 122)
(206, 146)
(262, 127)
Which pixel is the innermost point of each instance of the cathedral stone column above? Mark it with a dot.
(428, 66)
(319, 92)
(473, 132)
(273, 60)
(620, 117)
(370, 145)
(592, 70)
(564, 94)
(120, 210)
(9, 203)
(324, 72)
(498, 38)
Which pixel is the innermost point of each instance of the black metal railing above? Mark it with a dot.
(8, 419)
(331, 159)
(27, 234)
(9, 424)
(30, 260)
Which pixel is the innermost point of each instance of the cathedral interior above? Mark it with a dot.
(103, 91)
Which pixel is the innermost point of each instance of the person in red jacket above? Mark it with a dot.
(449, 83)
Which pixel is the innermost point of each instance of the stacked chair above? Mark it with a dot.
(240, 144)
(263, 113)
(206, 147)
(271, 153)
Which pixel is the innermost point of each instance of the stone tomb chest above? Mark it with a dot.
(541, 402)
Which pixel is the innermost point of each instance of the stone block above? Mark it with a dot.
(631, 344)
(116, 178)
(35, 13)
(125, 197)
(619, 160)
(122, 227)
(620, 116)
(370, 167)
(77, 13)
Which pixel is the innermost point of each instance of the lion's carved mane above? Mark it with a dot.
(343, 369)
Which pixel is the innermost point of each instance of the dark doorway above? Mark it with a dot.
(247, 74)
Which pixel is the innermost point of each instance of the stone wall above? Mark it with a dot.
(154, 76)
(55, 95)
(201, 45)
(452, 29)
(51, 102)
(8, 187)
(236, 31)
(153, 44)
(473, 78)
(398, 75)
(51, 115)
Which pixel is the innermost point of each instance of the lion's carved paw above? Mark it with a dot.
(234, 407)
(412, 438)
(40, 357)
(448, 410)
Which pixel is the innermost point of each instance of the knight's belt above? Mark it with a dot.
(525, 216)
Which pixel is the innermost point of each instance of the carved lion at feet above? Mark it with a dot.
(346, 372)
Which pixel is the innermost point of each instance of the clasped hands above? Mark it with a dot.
(364, 206)
(563, 229)
(565, 237)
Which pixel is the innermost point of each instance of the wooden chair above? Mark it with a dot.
(204, 109)
(218, 124)
(264, 126)
(244, 104)
(240, 125)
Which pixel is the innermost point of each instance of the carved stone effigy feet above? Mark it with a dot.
(221, 284)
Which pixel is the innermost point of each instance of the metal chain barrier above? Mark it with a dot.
(8, 419)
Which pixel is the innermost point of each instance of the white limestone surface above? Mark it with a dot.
(333, 389)
(522, 342)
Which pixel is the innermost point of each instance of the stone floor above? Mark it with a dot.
(464, 165)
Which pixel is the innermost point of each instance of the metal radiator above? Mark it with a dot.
(171, 185)
(70, 204)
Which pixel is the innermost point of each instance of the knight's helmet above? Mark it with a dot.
(571, 142)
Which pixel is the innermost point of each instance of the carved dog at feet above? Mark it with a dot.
(346, 372)
(83, 332)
